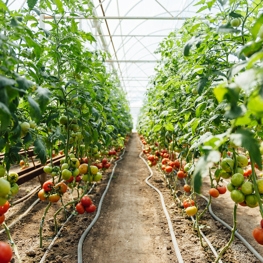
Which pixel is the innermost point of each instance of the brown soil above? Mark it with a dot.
(132, 226)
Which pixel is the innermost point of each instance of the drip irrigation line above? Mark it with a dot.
(21, 216)
(80, 245)
(259, 257)
(27, 196)
(59, 232)
(176, 248)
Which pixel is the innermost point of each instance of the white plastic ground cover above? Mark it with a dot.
(80, 245)
(59, 232)
(176, 248)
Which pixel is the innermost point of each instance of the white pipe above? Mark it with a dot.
(58, 234)
(176, 248)
(80, 245)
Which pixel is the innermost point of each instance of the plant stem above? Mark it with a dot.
(232, 234)
(42, 223)
(12, 242)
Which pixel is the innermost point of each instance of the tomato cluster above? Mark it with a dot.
(85, 205)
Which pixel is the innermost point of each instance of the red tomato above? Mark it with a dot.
(221, 189)
(107, 165)
(4, 208)
(78, 179)
(90, 209)
(6, 252)
(41, 195)
(169, 169)
(151, 158)
(70, 180)
(47, 186)
(2, 219)
(104, 161)
(228, 153)
(187, 188)
(187, 203)
(154, 163)
(176, 164)
(165, 161)
(214, 192)
(53, 155)
(180, 174)
(243, 204)
(163, 167)
(80, 208)
(86, 201)
(258, 235)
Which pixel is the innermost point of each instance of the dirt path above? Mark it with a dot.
(129, 228)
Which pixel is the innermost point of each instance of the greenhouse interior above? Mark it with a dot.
(131, 131)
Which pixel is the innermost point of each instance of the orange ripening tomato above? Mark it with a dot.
(187, 203)
(163, 167)
(176, 164)
(165, 161)
(258, 235)
(41, 195)
(61, 187)
(54, 198)
(248, 172)
(221, 189)
(187, 188)
(214, 192)
(180, 174)
(169, 169)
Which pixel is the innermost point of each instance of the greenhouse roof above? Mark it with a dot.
(130, 31)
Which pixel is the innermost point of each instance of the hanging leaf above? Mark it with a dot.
(40, 150)
(31, 3)
(34, 108)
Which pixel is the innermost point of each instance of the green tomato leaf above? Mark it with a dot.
(34, 110)
(245, 138)
(227, 29)
(31, 3)
(40, 150)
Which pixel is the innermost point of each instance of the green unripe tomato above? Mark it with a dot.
(95, 149)
(12, 178)
(47, 169)
(25, 127)
(74, 163)
(66, 174)
(227, 165)
(87, 178)
(94, 169)
(230, 187)
(251, 200)
(2, 170)
(53, 174)
(62, 160)
(225, 175)
(237, 196)
(75, 173)
(240, 170)
(247, 188)
(97, 177)
(187, 167)
(194, 91)
(64, 166)
(97, 155)
(32, 124)
(63, 120)
(14, 189)
(4, 187)
(260, 185)
(2, 201)
(242, 160)
(237, 179)
(72, 155)
(236, 22)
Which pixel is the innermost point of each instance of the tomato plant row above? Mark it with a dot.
(56, 95)
(204, 110)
